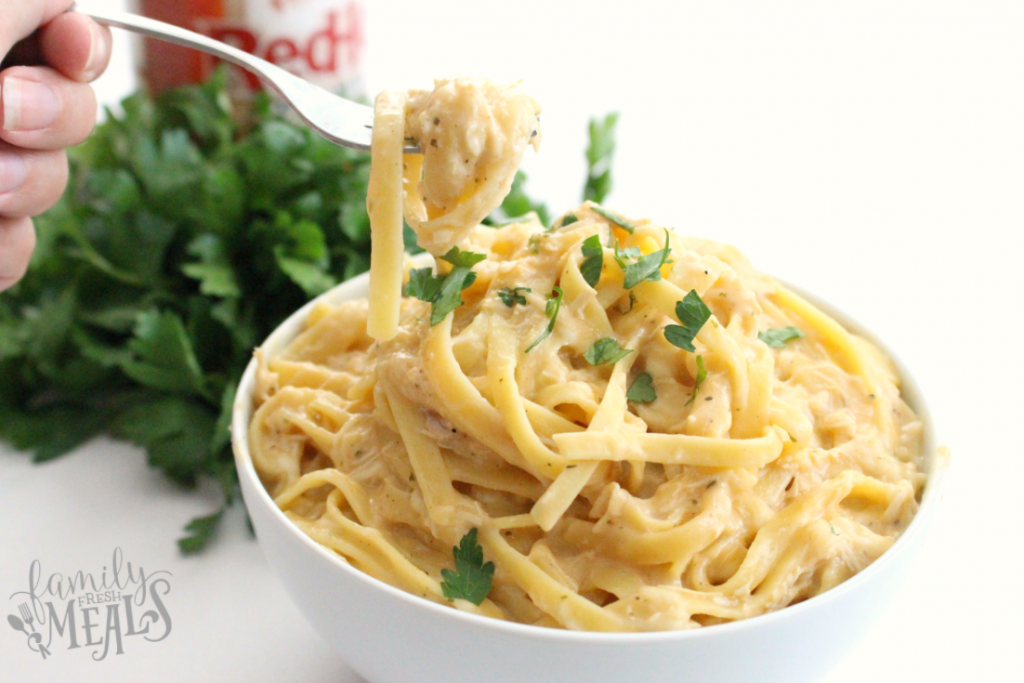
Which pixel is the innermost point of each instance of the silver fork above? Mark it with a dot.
(341, 121)
(26, 615)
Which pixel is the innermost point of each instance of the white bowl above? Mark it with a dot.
(389, 636)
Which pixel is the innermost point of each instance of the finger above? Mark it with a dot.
(26, 53)
(41, 109)
(76, 46)
(17, 240)
(23, 17)
(30, 182)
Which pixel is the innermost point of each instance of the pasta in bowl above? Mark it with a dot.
(364, 619)
(599, 426)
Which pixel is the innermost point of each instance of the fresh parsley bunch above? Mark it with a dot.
(183, 240)
(180, 244)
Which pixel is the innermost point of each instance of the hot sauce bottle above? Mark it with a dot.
(322, 41)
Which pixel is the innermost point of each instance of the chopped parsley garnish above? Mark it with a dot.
(642, 389)
(702, 374)
(648, 267)
(463, 259)
(624, 256)
(692, 313)
(614, 218)
(444, 293)
(567, 219)
(605, 351)
(472, 577)
(423, 285)
(593, 262)
(511, 296)
(551, 311)
(777, 338)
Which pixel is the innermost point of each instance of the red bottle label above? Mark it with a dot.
(322, 41)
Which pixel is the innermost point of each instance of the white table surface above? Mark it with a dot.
(872, 153)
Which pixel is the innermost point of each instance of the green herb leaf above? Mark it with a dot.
(177, 432)
(214, 271)
(472, 577)
(702, 374)
(642, 389)
(49, 433)
(450, 295)
(648, 267)
(615, 218)
(692, 313)
(423, 285)
(593, 262)
(511, 296)
(777, 338)
(599, 158)
(163, 356)
(463, 259)
(444, 293)
(624, 256)
(605, 351)
(567, 220)
(551, 309)
(201, 531)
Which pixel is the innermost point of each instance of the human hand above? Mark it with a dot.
(46, 105)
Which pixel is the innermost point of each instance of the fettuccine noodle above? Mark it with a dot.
(759, 476)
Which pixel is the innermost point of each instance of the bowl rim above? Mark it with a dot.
(936, 468)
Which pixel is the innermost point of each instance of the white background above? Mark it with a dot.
(872, 153)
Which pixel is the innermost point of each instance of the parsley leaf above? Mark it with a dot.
(472, 577)
(642, 389)
(702, 374)
(599, 158)
(450, 296)
(444, 293)
(567, 220)
(201, 531)
(163, 356)
(605, 351)
(511, 296)
(614, 218)
(463, 259)
(214, 271)
(593, 262)
(624, 256)
(692, 313)
(551, 311)
(423, 285)
(177, 432)
(648, 267)
(777, 338)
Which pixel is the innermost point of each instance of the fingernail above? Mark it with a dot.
(94, 50)
(27, 105)
(12, 172)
